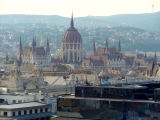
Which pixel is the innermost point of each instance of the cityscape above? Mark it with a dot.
(79, 63)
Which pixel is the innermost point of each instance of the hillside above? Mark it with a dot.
(148, 21)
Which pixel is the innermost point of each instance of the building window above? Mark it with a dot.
(5, 113)
(36, 111)
(46, 109)
(19, 101)
(14, 101)
(13, 113)
(19, 112)
(30, 111)
(41, 110)
(25, 112)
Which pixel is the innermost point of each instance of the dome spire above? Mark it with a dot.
(72, 23)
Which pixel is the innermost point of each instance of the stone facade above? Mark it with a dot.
(15, 81)
(18, 83)
(34, 53)
(105, 57)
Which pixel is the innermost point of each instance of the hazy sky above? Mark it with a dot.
(80, 7)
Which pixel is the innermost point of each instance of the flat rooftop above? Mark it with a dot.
(117, 87)
(23, 105)
(108, 99)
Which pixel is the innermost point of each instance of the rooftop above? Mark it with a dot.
(22, 105)
(108, 99)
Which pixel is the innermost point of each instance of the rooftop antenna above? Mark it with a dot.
(152, 8)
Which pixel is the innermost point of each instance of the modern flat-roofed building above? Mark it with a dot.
(123, 102)
(22, 106)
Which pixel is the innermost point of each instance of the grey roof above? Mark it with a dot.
(22, 105)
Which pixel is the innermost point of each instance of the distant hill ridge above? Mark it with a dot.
(148, 21)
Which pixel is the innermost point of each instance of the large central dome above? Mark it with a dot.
(71, 35)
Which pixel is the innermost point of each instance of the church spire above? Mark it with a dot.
(33, 45)
(20, 46)
(35, 41)
(47, 47)
(145, 55)
(72, 23)
(119, 46)
(107, 48)
(94, 47)
(106, 42)
(42, 43)
(155, 57)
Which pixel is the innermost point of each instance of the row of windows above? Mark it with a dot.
(25, 112)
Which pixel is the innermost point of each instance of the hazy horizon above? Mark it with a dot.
(80, 16)
(81, 8)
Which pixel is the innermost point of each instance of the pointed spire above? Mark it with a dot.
(20, 45)
(145, 55)
(119, 43)
(35, 41)
(155, 57)
(94, 47)
(33, 45)
(106, 42)
(47, 47)
(94, 42)
(72, 23)
(6, 56)
(119, 46)
(107, 48)
(47, 42)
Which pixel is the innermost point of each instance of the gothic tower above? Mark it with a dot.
(15, 82)
(39, 75)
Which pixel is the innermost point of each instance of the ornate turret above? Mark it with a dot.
(47, 47)
(38, 73)
(119, 46)
(15, 83)
(94, 47)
